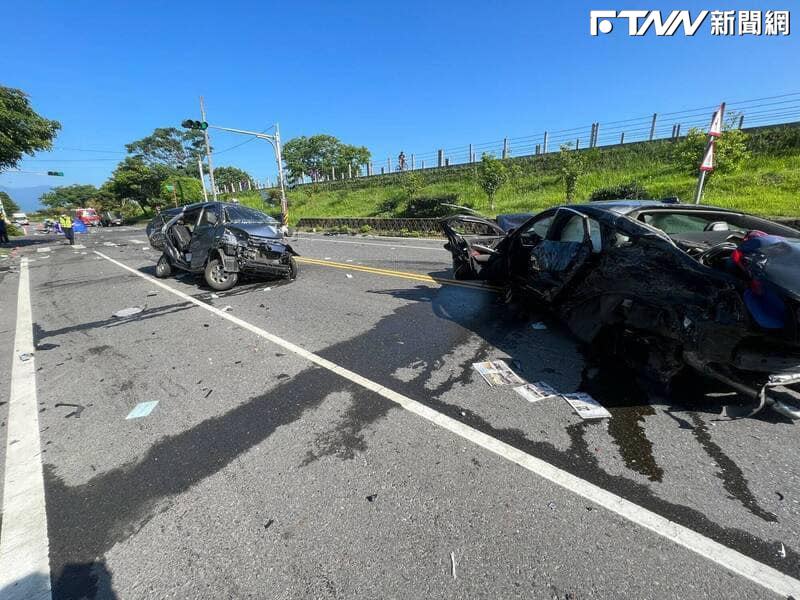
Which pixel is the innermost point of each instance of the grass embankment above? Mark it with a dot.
(768, 183)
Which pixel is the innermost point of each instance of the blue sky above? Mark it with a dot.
(390, 76)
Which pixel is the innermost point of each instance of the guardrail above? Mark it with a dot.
(427, 226)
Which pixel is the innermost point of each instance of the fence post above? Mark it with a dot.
(577, 143)
(349, 171)
(622, 138)
(412, 162)
(677, 131)
(544, 144)
(383, 172)
(423, 164)
(446, 162)
(653, 127)
(505, 147)
(741, 120)
(439, 158)
(333, 172)
(470, 159)
(388, 164)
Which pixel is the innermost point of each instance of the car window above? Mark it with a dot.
(536, 230)
(242, 214)
(209, 217)
(573, 231)
(678, 223)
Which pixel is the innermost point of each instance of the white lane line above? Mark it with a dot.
(387, 245)
(730, 559)
(24, 563)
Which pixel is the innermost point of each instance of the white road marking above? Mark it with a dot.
(136, 241)
(24, 547)
(440, 248)
(730, 559)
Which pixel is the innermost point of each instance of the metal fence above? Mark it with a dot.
(377, 225)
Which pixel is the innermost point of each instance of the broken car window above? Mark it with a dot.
(536, 231)
(242, 214)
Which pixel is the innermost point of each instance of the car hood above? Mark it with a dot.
(265, 230)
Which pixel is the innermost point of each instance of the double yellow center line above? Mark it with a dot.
(401, 274)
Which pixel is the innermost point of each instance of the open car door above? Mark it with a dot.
(557, 259)
(471, 241)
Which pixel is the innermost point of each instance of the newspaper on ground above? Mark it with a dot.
(586, 407)
(533, 392)
(497, 372)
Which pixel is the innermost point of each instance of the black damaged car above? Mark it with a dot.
(658, 285)
(222, 241)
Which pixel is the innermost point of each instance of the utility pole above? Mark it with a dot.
(202, 178)
(279, 158)
(208, 149)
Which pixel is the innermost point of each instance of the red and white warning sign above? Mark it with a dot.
(716, 122)
(708, 158)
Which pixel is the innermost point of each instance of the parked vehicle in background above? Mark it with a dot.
(222, 241)
(109, 218)
(20, 218)
(87, 216)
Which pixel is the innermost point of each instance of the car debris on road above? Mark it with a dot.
(658, 285)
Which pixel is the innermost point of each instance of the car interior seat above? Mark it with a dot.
(182, 236)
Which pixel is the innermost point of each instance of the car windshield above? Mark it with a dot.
(242, 214)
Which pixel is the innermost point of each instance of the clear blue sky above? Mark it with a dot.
(390, 76)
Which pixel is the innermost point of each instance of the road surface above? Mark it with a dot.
(328, 438)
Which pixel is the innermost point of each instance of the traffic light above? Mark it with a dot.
(190, 124)
(56, 173)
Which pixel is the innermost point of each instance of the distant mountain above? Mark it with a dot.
(26, 197)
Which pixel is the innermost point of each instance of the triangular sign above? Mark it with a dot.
(708, 159)
(716, 122)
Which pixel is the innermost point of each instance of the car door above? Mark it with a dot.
(203, 235)
(553, 262)
(470, 240)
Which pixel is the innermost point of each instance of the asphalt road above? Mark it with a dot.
(261, 473)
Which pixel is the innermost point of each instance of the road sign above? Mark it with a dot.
(716, 122)
(56, 173)
(708, 158)
(190, 124)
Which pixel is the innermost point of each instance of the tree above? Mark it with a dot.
(171, 148)
(9, 205)
(411, 182)
(185, 190)
(317, 155)
(492, 174)
(230, 177)
(730, 150)
(134, 180)
(572, 164)
(72, 196)
(22, 130)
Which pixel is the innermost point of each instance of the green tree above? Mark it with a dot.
(315, 156)
(185, 190)
(730, 151)
(171, 148)
(135, 181)
(230, 177)
(22, 130)
(9, 205)
(411, 182)
(571, 165)
(492, 174)
(72, 196)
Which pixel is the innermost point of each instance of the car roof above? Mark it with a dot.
(625, 207)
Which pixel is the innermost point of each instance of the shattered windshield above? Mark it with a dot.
(242, 214)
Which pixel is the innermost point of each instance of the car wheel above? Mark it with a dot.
(217, 278)
(163, 268)
(294, 268)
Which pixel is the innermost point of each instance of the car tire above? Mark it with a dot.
(163, 268)
(217, 278)
(294, 268)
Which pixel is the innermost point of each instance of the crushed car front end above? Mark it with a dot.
(256, 252)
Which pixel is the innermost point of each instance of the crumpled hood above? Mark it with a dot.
(258, 229)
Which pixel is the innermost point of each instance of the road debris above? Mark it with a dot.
(551, 505)
(371, 497)
(109, 244)
(348, 275)
(533, 392)
(266, 289)
(208, 393)
(586, 407)
(227, 308)
(152, 293)
(497, 372)
(453, 564)
(42, 250)
(128, 312)
(26, 356)
(142, 410)
(538, 326)
(780, 496)
(75, 413)
(213, 296)
(268, 524)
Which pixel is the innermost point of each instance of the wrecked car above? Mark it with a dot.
(658, 285)
(222, 241)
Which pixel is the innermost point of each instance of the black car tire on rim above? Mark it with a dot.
(163, 268)
(294, 268)
(217, 278)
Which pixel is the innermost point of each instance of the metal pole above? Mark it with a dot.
(698, 193)
(388, 164)
(349, 171)
(412, 162)
(279, 159)
(544, 144)
(202, 178)
(622, 138)
(470, 153)
(653, 126)
(208, 150)
(741, 120)
(677, 131)
(505, 147)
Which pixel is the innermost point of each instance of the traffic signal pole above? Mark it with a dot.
(208, 150)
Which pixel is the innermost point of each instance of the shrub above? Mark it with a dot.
(365, 228)
(623, 191)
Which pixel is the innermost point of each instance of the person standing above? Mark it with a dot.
(3, 230)
(66, 226)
